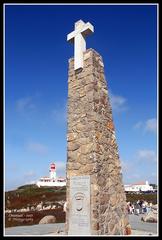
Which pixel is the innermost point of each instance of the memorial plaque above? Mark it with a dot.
(79, 206)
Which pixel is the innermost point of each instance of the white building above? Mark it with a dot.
(52, 180)
(136, 187)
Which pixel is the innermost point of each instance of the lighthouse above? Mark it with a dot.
(52, 171)
(51, 181)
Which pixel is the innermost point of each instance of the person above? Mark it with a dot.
(65, 206)
(148, 208)
(136, 208)
(140, 204)
(130, 208)
(143, 207)
(146, 204)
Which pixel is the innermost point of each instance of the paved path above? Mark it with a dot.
(137, 224)
(139, 228)
(40, 229)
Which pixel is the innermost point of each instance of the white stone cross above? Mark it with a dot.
(78, 38)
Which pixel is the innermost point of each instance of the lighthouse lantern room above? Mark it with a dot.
(52, 171)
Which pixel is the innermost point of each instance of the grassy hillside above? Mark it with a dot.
(151, 197)
(32, 195)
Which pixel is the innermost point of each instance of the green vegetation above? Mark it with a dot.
(27, 186)
(31, 195)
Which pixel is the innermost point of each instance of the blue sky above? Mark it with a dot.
(36, 89)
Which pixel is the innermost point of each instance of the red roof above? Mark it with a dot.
(139, 183)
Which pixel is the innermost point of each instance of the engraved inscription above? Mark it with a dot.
(79, 206)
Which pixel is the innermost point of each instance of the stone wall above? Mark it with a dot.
(92, 148)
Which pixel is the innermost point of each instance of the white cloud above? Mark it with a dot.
(134, 170)
(29, 174)
(151, 125)
(146, 154)
(37, 148)
(31, 182)
(118, 103)
(25, 103)
(138, 125)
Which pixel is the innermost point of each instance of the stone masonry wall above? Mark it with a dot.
(92, 148)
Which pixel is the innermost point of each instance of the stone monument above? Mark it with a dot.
(96, 202)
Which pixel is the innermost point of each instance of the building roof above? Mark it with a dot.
(137, 183)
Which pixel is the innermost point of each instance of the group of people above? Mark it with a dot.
(138, 207)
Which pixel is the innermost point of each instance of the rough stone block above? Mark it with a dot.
(92, 147)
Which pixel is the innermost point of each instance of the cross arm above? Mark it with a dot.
(71, 36)
(87, 29)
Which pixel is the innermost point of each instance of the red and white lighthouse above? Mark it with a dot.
(52, 171)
